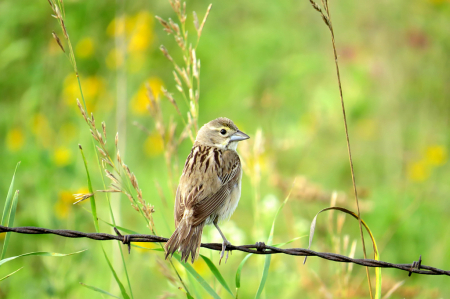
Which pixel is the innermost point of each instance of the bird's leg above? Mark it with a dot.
(224, 243)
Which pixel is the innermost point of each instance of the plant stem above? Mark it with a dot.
(348, 142)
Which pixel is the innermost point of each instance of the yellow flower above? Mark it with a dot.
(145, 245)
(138, 28)
(82, 190)
(62, 206)
(436, 155)
(142, 35)
(93, 88)
(113, 30)
(135, 62)
(62, 156)
(154, 145)
(71, 90)
(201, 267)
(41, 129)
(140, 100)
(14, 140)
(418, 171)
(85, 47)
(67, 132)
(114, 59)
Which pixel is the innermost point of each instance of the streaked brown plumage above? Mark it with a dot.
(209, 188)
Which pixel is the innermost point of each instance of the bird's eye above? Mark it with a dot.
(223, 131)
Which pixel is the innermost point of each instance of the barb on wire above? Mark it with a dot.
(258, 248)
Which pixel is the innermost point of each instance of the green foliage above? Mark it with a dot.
(265, 64)
(98, 290)
(95, 218)
(374, 243)
(197, 277)
(217, 274)
(9, 211)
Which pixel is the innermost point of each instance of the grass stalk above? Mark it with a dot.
(327, 19)
(57, 8)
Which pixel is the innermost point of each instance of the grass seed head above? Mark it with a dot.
(104, 130)
(102, 152)
(166, 53)
(196, 24)
(107, 162)
(315, 6)
(82, 196)
(119, 158)
(111, 177)
(94, 135)
(174, 26)
(58, 41)
(164, 24)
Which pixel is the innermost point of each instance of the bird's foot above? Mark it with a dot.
(224, 246)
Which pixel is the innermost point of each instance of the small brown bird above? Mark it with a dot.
(209, 188)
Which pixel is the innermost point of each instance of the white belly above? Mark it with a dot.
(231, 203)
(227, 209)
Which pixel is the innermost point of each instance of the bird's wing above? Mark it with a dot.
(207, 181)
(179, 208)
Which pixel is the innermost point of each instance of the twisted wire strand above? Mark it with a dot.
(258, 248)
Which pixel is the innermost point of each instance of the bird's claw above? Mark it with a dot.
(224, 246)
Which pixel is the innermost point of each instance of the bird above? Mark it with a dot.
(209, 189)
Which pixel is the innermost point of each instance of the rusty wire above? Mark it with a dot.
(258, 248)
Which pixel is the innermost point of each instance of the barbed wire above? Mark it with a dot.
(258, 248)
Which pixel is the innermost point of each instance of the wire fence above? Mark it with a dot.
(258, 248)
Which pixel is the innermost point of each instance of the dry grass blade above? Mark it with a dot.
(327, 19)
(393, 289)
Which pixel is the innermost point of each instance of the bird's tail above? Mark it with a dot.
(186, 239)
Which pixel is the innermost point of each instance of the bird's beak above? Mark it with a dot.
(239, 136)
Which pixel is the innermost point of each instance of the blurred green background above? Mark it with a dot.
(268, 66)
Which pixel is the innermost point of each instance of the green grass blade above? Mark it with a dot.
(98, 290)
(10, 274)
(91, 190)
(264, 275)
(7, 211)
(128, 231)
(217, 274)
(12, 215)
(7, 206)
(288, 242)
(122, 288)
(269, 256)
(374, 243)
(197, 277)
(238, 272)
(94, 215)
(142, 247)
(194, 288)
(38, 253)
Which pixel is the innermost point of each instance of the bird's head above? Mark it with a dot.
(221, 133)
